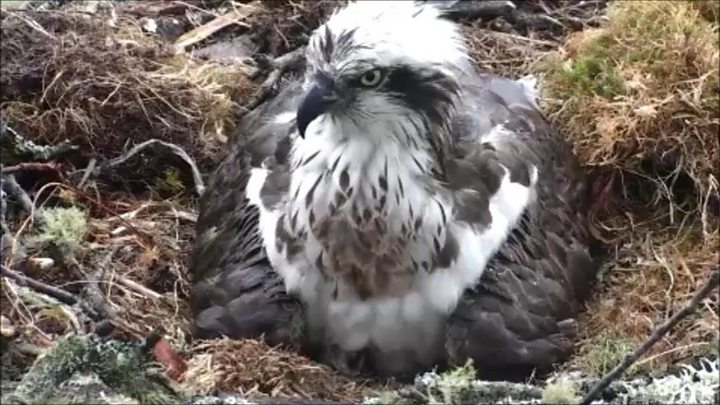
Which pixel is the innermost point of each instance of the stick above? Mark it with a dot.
(50, 167)
(92, 300)
(3, 210)
(280, 65)
(14, 188)
(57, 293)
(138, 288)
(21, 147)
(661, 331)
(485, 10)
(169, 147)
(198, 34)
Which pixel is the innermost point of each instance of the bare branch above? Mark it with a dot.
(55, 292)
(167, 147)
(279, 66)
(661, 331)
(14, 188)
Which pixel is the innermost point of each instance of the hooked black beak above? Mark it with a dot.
(316, 102)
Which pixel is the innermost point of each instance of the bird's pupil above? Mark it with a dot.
(371, 78)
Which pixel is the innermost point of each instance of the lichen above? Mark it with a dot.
(62, 227)
(561, 392)
(82, 369)
(692, 385)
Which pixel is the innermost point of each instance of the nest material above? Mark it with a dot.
(104, 84)
(253, 368)
(638, 99)
(285, 25)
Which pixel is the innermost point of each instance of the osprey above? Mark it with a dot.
(393, 209)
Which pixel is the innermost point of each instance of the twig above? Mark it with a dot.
(88, 171)
(14, 188)
(35, 25)
(57, 293)
(279, 66)
(49, 167)
(93, 301)
(3, 209)
(169, 147)
(138, 288)
(485, 10)
(92, 291)
(19, 146)
(198, 34)
(661, 331)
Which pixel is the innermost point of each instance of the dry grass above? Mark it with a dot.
(503, 53)
(253, 368)
(643, 88)
(100, 82)
(638, 98)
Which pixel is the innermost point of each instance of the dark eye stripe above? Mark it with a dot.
(428, 91)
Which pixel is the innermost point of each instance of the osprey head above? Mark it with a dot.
(383, 62)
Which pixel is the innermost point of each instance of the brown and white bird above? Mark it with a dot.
(394, 210)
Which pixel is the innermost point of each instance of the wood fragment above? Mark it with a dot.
(204, 31)
(139, 288)
(712, 283)
(153, 9)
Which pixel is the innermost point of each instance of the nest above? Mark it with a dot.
(646, 127)
(638, 99)
(103, 84)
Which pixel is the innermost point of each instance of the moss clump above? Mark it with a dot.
(600, 355)
(643, 86)
(638, 99)
(170, 183)
(85, 369)
(561, 392)
(62, 227)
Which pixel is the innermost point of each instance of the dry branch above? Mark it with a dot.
(165, 147)
(200, 33)
(480, 9)
(661, 331)
(49, 167)
(55, 292)
(14, 188)
(20, 147)
(279, 66)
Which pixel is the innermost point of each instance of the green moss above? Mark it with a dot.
(452, 384)
(605, 352)
(83, 369)
(170, 183)
(595, 75)
(561, 392)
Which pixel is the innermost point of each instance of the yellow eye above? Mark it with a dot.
(371, 78)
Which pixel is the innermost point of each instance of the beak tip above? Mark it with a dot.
(315, 103)
(301, 130)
